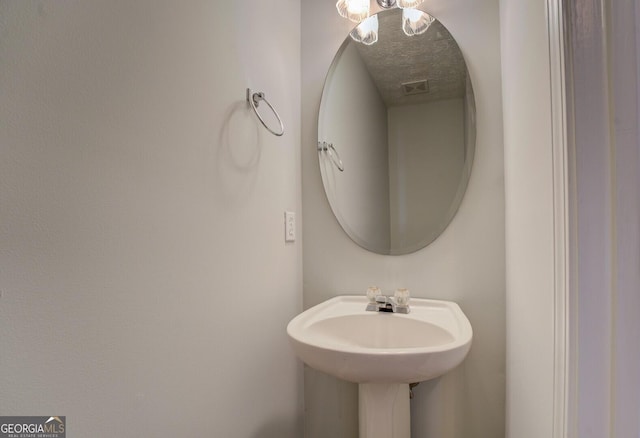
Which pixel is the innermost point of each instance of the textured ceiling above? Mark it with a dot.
(397, 58)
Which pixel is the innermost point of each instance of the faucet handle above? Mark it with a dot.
(402, 297)
(372, 293)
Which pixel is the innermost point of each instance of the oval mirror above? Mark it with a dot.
(396, 135)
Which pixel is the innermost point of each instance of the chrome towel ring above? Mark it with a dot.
(254, 100)
(333, 154)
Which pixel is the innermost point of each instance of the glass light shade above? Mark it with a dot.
(408, 4)
(415, 22)
(366, 32)
(354, 10)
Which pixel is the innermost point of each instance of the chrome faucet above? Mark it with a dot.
(378, 302)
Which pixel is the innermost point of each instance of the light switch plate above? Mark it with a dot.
(289, 226)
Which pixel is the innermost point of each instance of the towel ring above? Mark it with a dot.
(254, 100)
(333, 153)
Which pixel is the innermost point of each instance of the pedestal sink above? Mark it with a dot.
(383, 352)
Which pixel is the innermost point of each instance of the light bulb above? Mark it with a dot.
(366, 32)
(404, 4)
(354, 10)
(415, 22)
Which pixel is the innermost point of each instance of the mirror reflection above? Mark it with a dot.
(398, 115)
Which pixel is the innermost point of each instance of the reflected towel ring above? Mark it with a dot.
(333, 153)
(254, 100)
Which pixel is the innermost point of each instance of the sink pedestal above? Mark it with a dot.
(384, 410)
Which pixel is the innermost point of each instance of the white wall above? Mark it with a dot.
(145, 283)
(354, 120)
(529, 182)
(426, 163)
(465, 264)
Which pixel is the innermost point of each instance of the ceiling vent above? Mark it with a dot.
(417, 87)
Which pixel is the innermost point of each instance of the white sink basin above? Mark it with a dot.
(340, 338)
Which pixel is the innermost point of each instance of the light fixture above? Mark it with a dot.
(386, 4)
(409, 4)
(354, 10)
(366, 32)
(415, 22)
